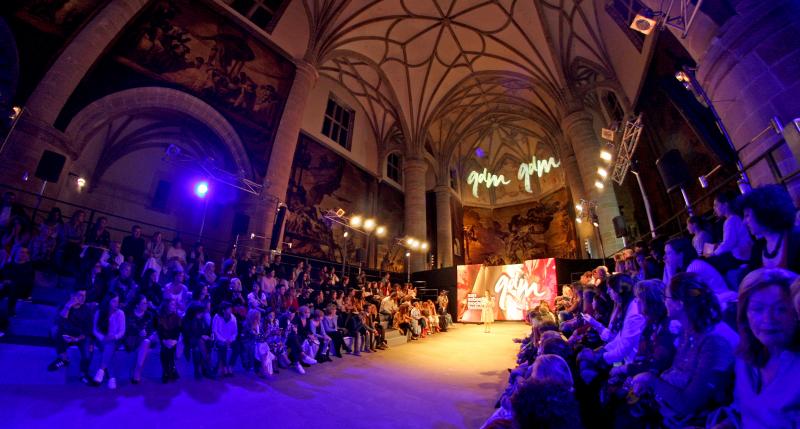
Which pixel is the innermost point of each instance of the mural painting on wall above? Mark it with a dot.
(185, 43)
(510, 235)
(391, 211)
(322, 180)
(61, 17)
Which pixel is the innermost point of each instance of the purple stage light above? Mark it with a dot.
(201, 189)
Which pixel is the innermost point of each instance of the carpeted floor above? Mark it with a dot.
(450, 380)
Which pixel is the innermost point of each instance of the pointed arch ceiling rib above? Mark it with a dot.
(445, 74)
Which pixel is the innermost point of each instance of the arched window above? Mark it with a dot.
(394, 167)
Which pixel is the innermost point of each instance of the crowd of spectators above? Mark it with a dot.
(691, 331)
(144, 294)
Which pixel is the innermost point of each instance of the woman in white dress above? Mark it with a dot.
(487, 311)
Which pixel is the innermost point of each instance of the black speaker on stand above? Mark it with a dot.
(277, 230)
(49, 170)
(675, 174)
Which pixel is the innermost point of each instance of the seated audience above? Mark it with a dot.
(140, 333)
(699, 379)
(769, 215)
(766, 392)
(109, 329)
(735, 248)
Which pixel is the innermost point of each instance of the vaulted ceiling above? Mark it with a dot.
(448, 74)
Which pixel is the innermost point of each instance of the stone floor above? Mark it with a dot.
(450, 380)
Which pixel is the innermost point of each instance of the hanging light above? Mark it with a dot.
(380, 231)
(599, 185)
(602, 172)
(356, 221)
(369, 225)
(605, 155)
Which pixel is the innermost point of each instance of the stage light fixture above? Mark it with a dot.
(346, 234)
(369, 225)
(410, 241)
(602, 172)
(340, 212)
(605, 155)
(424, 245)
(380, 231)
(356, 221)
(415, 245)
(201, 189)
(595, 224)
(598, 184)
(578, 219)
(408, 254)
(643, 24)
(81, 182)
(579, 207)
(252, 235)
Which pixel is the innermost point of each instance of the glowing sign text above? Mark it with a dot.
(491, 180)
(538, 167)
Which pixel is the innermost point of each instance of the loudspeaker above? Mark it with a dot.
(241, 223)
(277, 229)
(360, 255)
(50, 166)
(673, 170)
(620, 229)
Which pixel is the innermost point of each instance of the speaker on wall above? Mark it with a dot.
(673, 170)
(360, 255)
(277, 229)
(50, 166)
(241, 223)
(620, 229)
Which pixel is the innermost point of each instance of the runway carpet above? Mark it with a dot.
(450, 380)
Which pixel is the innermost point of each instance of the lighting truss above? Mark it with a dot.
(630, 139)
(337, 216)
(684, 19)
(175, 155)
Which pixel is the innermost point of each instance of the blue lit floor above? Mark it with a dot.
(450, 380)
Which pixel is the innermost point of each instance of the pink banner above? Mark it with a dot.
(514, 289)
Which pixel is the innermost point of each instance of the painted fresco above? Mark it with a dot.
(510, 235)
(322, 180)
(59, 17)
(188, 44)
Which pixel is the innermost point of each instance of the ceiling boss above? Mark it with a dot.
(539, 167)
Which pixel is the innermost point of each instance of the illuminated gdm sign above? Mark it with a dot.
(526, 170)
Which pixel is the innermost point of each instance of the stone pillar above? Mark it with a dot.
(750, 70)
(280, 161)
(415, 217)
(53, 91)
(578, 127)
(575, 182)
(444, 227)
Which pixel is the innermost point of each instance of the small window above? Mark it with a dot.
(263, 13)
(394, 167)
(338, 123)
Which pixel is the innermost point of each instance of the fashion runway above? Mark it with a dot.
(450, 380)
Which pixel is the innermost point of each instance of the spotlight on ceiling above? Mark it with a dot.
(643, 24)
(340, 212)
(578, 219)
(356, 221)
(598, 184)
(369, 225)
(605, 155)
(602, 172)
(380, 231)
(424, 245)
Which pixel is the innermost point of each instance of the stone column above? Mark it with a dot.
(578, 127)
(280, 161)
(53, 91)
(575, 182)
(415, 217)
(444, 227)
(750, 70)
